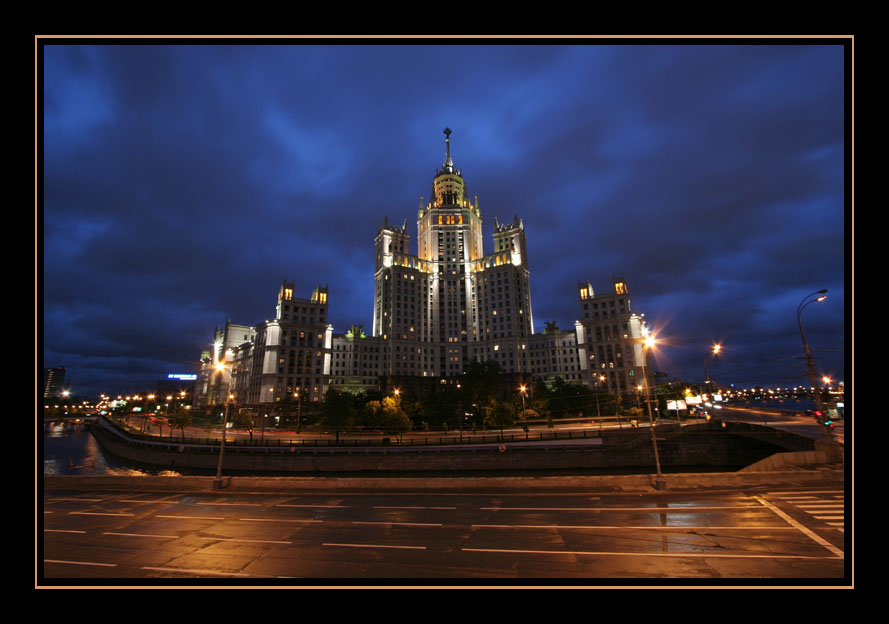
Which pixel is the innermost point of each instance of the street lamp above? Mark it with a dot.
(217, 482)
(659, 482)
(820, 295)
(715, 350)
(298, 411)
(522, 390)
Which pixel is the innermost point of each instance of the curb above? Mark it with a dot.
(616, 483)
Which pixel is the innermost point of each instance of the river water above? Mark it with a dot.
(76, 452)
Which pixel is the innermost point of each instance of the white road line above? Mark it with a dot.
(432, 524)
(190, 571)
(61, 531)
(814, 536)
(821, 505)
(80, 500)
(646, 509)
(275, 520)
(408, 507)
(192, 517)
(232, 504)
(805, 493)
(96, 513)
(315, 506)
(643, 554)
(632, 528)
(374, 546)
(141, 535)
(91, 563)
(153, 502)
(234, 539)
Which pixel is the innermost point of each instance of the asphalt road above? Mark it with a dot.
(797, 423)
(115, 537)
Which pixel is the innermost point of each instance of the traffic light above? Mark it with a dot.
(818, 416)
(828, 423)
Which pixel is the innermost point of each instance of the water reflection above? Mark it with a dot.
(69, 451)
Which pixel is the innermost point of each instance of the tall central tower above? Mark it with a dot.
(450, 303)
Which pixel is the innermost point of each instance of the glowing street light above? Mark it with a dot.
(813, 379)
(715, 351)
(523, 390)
(217, 482)
(659, 482)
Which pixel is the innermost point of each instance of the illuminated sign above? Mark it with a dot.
(676, 405)
(182, 377)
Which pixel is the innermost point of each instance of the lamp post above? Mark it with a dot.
(819, 295)
(659, 482)
(598, 411)
(523, 390)
(298, 411)
(217, 482)
(715, 350)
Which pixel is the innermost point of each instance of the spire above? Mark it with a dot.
(448, 164)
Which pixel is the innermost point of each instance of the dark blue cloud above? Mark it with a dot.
(182, 184)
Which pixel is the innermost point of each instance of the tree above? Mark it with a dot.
(287, 409)
(337, 412)
(480, 385)
(500, 414)
(180, 418)
(242, 419)
(395, 419)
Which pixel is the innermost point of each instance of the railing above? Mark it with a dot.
(383, 441)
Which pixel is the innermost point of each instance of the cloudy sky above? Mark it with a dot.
(182, 184)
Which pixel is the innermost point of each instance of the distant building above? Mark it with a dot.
(277, 359)
(435, 310)
(53, 382)
(610, 339)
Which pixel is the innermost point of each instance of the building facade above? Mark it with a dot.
(53, 382)
(436, 308)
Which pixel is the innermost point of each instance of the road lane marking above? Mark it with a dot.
(805, 493)
(315, 506)
(643, 554)
(61, 531)
(96, 513)
(814, 536)
(232, 504)
(647, 509)
(374, 546)
(275, 520)
(192, 517)
(433, 524)
(822, 506)
(200, 572)
(235, 539)
(631, 528)
(408, 507)
(141, 535)
(92, 563)
(80, 500)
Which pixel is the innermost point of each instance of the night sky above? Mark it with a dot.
(182, 184)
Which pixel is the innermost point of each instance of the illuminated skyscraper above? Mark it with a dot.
(449, 303)
(435, 310)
